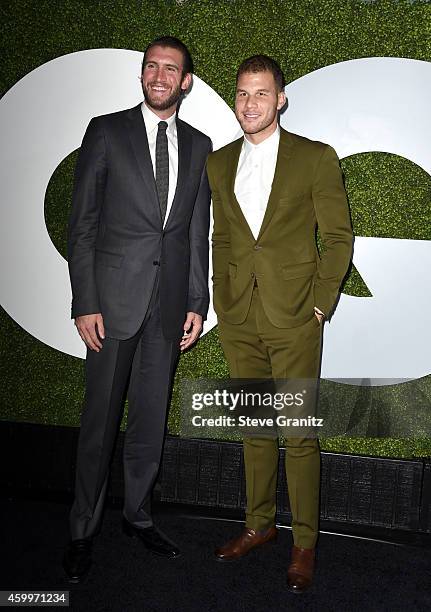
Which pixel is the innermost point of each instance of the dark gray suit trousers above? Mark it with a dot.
(149, 360)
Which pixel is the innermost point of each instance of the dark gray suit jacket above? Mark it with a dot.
(116, 242)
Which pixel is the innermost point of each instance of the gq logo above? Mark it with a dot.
(372, 104)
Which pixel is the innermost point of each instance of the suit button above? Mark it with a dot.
(156, 263)
(257, 247)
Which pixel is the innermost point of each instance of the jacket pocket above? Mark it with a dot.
(290, 271)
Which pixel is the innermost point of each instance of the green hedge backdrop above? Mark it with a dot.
(389, 196)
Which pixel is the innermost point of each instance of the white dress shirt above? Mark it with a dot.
(254, 176)
(152, 125)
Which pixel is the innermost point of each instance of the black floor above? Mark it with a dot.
(352, 574)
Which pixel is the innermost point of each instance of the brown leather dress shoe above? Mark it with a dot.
(240, 546)
(300, 572)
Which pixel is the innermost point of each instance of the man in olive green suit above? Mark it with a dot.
(272, 289)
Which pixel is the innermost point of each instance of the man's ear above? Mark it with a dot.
(281, 100)
(186, 82)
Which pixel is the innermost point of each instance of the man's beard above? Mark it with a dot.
(162, 104)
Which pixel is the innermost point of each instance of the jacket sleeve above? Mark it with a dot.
(198, 296)
(87, 201)
(333, 219)
(221, 233)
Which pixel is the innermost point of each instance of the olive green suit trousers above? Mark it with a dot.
(258, 349)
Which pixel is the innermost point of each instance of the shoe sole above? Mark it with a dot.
(157, 554)
(75, 580)
(296, 592)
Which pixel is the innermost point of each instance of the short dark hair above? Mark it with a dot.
(262, 63)
(174, 43)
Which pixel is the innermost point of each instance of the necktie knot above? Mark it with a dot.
(163, 126)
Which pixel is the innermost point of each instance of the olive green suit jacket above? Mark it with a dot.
(307, 191)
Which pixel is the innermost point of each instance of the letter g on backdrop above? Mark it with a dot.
(371, 104)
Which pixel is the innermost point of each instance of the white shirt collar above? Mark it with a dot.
(265, 145)
(152, 120)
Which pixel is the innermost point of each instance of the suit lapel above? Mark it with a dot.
(184, 156)
(139, 141)
(279, 182)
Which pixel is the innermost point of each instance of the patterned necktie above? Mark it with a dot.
(162, 168)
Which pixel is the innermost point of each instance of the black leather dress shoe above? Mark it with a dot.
(77, 559)
(152, 539)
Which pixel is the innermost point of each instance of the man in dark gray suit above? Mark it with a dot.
(138, 261)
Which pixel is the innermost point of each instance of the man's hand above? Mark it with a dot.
(192, 328)
(319, 314)
(91, 329)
